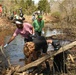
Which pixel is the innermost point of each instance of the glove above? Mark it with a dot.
(5, 45)
(43, 32)
(33, 34)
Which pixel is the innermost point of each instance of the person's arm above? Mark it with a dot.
(49, 41)
(43, 27)
(36, 26)
(42, 24)
(32, 28)
(33, 31)
(11, 39)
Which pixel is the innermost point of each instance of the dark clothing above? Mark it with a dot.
(40, 43)
(37, 33)
(28, 39)
(56, 44)
(59, 62)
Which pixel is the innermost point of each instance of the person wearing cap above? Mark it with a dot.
(25, 29)
(38, 25)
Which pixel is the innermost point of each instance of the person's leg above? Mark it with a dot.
(64, 66)
(56, 64)
(37, 33)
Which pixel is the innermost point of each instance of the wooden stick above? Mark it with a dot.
(1, 48)
(66, 47)
(71, 58)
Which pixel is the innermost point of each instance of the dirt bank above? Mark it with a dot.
(6, 28)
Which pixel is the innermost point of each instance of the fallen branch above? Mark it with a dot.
(64, 48)
(8, 60)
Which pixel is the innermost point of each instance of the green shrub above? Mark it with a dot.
(56, 15)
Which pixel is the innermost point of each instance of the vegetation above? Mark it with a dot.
(28, 6)
(56, 15)
(44, 6)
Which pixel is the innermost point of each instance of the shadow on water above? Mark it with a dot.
(15, 49)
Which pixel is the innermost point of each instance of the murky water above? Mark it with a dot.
(15, 48)
(49, 32)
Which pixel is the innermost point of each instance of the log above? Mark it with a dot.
(12, 70)
(33, 64)
(40, 60)
(66, 47)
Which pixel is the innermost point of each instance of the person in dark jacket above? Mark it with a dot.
(38, 44)
(37, 48)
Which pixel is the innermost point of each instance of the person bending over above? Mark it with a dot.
(25, 29)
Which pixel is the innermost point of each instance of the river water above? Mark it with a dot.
(15, 49)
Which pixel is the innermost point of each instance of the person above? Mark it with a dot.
(36, 45)
(32, 50)
(16, 16)
(38, 25)
(11, 17)
(21, 15)
(0, 10)
(33, 17)
(59, 65)
(59, 62)
(25, 29)
(36, 49)
(40, 44)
